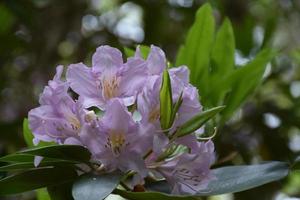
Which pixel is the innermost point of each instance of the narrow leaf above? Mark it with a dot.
(223, 50)
(95, 187)
(244, 81)
(196, 51)
(197, 121)
(61, 191)
(28, 137)
(63, 152)
(30, 165)
(34, 179)
(166, 103)
(176, 107)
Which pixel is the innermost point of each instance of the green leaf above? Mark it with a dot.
(63, 152)
(228, 180)
(222, 64)
(197, 48)
(166, 102)
(176, 107)
(145, 50)
(129, 52)
(18, 157)
(30, 165)
(61, 191)
(42, 194)
(197, 121)
(34, 179)
(245, 80)
(95, 187)
(222, 54)
(28, 137)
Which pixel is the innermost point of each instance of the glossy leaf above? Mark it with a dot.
(228, 180)
(166, 102)
(198, 121)
(95, 187)
(63, 152)
(34, 179)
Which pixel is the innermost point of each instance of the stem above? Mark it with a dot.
(148, 154)
(124, 186)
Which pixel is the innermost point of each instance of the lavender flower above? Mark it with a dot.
(108, 78)
(116, 143)
(115, 140)
(190, 173)
(59, 118)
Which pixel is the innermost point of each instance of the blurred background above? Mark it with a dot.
(37, 35)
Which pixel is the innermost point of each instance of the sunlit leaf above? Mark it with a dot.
(195, 53)
(166, 102)
(198, 121)
(245, 80)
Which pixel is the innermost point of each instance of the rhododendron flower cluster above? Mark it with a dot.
(117, 118)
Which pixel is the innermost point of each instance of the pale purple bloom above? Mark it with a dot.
(156, 61)
(108, 78)
(59, 118)
(148, 103)
(190, 173)
(116, 143)
(115, 140)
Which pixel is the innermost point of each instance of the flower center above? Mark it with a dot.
(154, 114)
(74, 122)
(116, 141)
(187, 178)
(110, 87)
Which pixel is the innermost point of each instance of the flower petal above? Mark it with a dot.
(84, 83)
(156, 61)
(106, 58)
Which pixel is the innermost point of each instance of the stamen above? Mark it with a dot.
(154, 115)
(116, 141)
(110, 87)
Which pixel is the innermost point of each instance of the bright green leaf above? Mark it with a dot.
(42, 194)
(197, 121)
(197, 48)
(34, 179)
(28, 137)
(95, 187)
(166, 102)
(223, 50)
(244, 81)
